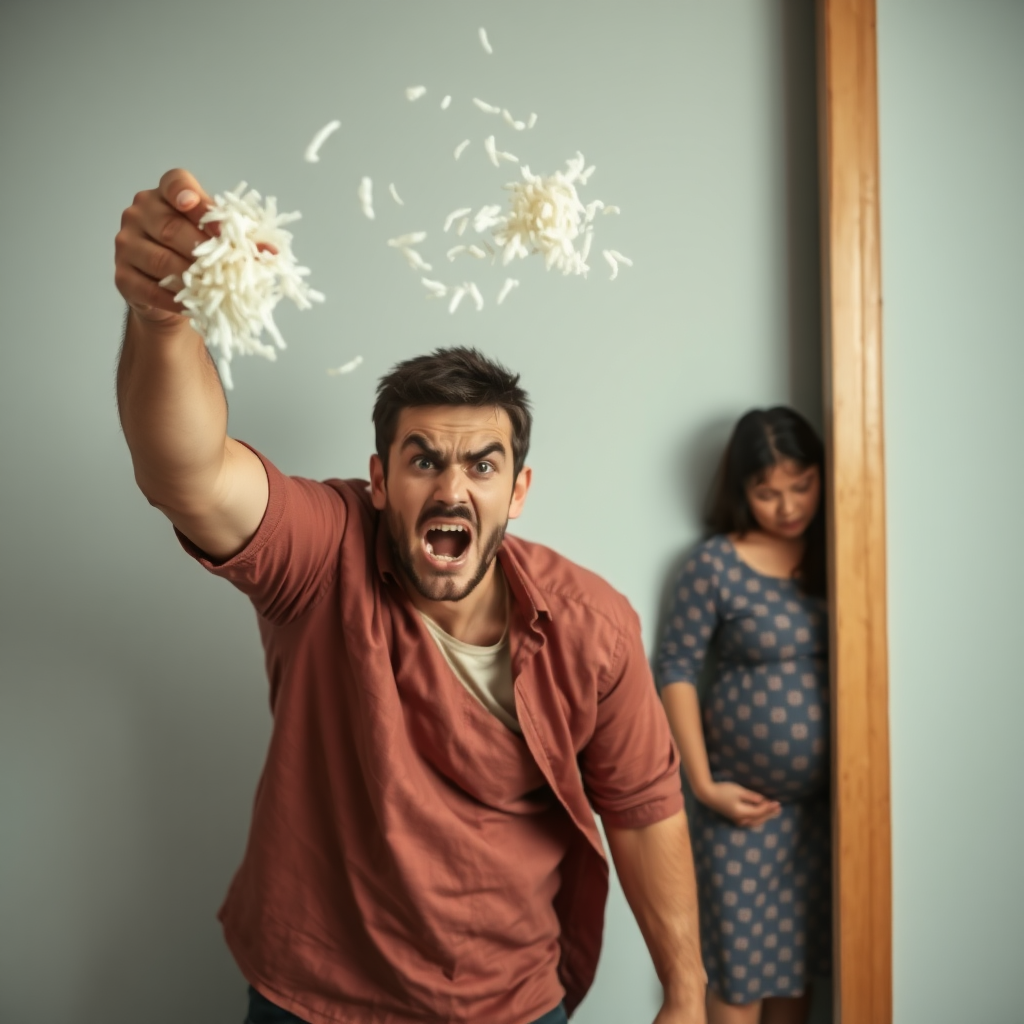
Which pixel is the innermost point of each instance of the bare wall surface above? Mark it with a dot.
(951, 77)
(133, 717)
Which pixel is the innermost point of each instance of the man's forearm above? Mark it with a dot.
(655, 867)
(172, 410)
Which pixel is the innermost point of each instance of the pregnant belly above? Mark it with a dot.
(767, 728)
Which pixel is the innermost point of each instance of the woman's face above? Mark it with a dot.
(785, 499)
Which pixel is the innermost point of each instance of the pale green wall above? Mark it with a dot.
(952, 147)
(132, 702)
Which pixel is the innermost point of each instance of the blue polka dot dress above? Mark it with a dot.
(765, 892)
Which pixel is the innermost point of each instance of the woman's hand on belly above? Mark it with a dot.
(740, 805)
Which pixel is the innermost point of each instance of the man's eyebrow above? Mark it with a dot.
(490, 449)
(420, 442)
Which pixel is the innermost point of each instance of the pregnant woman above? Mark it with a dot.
(755, 750)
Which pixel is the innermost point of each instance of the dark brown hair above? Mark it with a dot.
(760, 441)
(451, 376)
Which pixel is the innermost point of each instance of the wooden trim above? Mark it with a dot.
(852, 313)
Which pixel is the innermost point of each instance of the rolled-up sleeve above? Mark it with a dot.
(293, 556)
(692, 620)
(630, 767)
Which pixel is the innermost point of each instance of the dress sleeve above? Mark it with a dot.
(692, 620)
(630, 766)
(294, 554)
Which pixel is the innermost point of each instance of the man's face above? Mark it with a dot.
(450, 491)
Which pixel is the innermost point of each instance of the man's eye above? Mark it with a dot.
(423, 463)
(484, 468)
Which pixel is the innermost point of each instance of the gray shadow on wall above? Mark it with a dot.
(798, 43)
(803, 244)
(698, 455)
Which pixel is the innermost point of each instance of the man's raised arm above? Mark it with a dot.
(170, 399)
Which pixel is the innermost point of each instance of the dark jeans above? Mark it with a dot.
(263, 1011)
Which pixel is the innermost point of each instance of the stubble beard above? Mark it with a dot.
(441, 587)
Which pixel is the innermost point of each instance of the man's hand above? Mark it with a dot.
(740, 805)
(158, 233)
(169, 396)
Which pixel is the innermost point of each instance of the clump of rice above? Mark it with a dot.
(240, 275)
(547, 217)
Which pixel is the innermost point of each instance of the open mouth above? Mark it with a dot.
(446, 542)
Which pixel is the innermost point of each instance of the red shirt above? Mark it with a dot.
(410, 858)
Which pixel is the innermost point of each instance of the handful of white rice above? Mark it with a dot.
(240, 275)
(547, 217)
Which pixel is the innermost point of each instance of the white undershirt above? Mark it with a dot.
(486, 672)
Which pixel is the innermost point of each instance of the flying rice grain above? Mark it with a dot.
(446, 102)
(506, 288)
(485, 42)
(313, 149)
(588, 241)
(532, 120)
(346, 367)
(461, 229)
(414, 92)
(474, 293)
(366, 197)
(487, 108)
(394, 194)
(612, 262)
(475, 250)
(436, 288)
(461, 148)
(403, 241)
(491, 150)
(619, 258)
(457, 296)
(238, 277)
(512, 122)
(415, 260)
(456, 215)
(486, 218)
(454, 251)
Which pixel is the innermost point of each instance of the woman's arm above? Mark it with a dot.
(740, 805)
(682, 706)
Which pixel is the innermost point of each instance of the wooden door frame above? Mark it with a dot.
(852, 315)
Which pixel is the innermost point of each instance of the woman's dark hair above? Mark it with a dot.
(451, 376)
(760, 441)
